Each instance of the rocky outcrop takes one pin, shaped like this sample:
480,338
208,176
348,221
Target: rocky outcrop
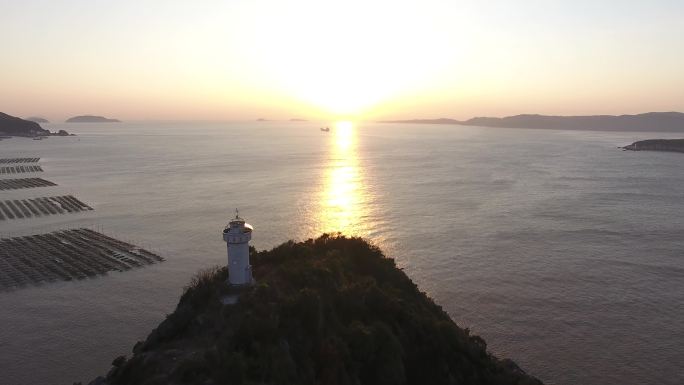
670,145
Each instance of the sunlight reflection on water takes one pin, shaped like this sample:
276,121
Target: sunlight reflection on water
344,196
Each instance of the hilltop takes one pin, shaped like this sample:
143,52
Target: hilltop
14,126
651,121
91,119
331,310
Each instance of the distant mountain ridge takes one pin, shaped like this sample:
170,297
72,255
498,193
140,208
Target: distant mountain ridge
91,119
37,119
651,121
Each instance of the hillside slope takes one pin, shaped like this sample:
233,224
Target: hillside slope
332,310
13,126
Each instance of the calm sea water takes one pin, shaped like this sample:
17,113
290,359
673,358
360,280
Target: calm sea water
563,252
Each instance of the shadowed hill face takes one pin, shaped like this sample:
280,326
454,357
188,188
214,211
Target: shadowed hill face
37,119
332,310
11,125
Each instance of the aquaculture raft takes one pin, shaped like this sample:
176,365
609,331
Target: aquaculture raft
36,207
19,169
66,255
14,184
19,160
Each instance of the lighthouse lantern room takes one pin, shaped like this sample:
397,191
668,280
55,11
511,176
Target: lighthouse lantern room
237,235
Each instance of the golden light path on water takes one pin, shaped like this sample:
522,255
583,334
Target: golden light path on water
344,197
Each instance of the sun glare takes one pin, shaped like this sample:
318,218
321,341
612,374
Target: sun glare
347,67
344,134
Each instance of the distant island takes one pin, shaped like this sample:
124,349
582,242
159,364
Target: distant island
298,120
331,310
426,121
670,145
91,119
262,120
37,119
14,126
651,121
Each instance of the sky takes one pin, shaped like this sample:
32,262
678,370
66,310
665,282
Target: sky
371,59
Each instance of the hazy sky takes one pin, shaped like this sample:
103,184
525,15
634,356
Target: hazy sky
371,59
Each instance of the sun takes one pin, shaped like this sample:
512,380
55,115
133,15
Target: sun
343,85
344,65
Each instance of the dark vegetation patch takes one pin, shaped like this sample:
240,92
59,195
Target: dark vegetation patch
332,310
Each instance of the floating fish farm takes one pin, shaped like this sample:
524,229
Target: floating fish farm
62,255
19,160
14,184
38,207
19,169
66,255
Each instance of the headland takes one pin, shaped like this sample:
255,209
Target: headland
14,126
669,145
331,310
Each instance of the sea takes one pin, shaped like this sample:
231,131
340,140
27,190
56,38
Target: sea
565,253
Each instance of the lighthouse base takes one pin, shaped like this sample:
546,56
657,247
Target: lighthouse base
232,293
240,285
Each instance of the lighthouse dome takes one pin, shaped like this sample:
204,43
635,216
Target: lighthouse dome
238,225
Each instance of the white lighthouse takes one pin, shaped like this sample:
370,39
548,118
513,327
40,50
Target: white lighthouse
238,234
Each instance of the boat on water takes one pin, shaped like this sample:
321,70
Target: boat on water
325,129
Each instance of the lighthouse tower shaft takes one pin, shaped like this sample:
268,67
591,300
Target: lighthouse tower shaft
237,235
